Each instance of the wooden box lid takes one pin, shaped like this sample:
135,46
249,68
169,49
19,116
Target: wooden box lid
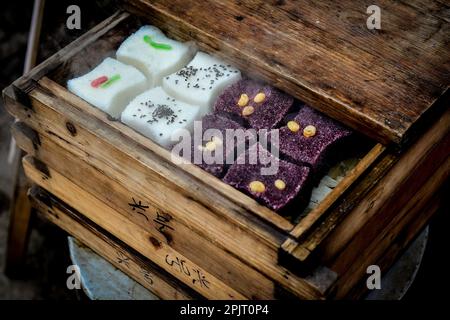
384,83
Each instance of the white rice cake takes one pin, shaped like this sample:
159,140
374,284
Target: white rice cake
155,55
201,81
157,116
110,86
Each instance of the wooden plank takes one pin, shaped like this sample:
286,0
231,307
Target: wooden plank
303,248
412,213
399,245
130,233
26,82
51,119
306,223
376,195
20,210
412,170
110,248
131,202
184,237
261,251
128,169
163,156
361,77
19,226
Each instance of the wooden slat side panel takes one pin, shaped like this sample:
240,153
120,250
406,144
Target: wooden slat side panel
131,202
400,244
369,253
184,235
361,77
116,252
189,175
305,224
130,233
413,169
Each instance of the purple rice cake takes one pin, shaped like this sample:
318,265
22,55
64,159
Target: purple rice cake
311,138
281,191
218,139
261,105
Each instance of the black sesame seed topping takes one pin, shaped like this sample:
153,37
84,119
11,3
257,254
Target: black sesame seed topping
163,112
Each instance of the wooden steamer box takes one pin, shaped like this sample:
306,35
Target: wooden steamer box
122,195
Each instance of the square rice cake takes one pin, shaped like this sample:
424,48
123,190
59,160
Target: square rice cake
110,86
155,55
312,138
201,81
221,140
262,106
287,185
159,116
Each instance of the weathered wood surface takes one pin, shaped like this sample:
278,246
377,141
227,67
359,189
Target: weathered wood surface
19,228
182,231
133,235
377,197
125,158
113,250
356,271
103,147
380,82
131,201
102,42
396,191
88,134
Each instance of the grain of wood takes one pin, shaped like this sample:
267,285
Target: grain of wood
131,201
409,171
376,100
370,253
128,232
231,240
361,77
113,250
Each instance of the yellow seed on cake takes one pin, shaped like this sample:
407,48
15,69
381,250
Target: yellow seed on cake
260,97
293,126
280,184
217,140
309,131
243,100
257,186
248,110
210,146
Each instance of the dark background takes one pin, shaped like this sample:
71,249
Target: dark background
45,275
